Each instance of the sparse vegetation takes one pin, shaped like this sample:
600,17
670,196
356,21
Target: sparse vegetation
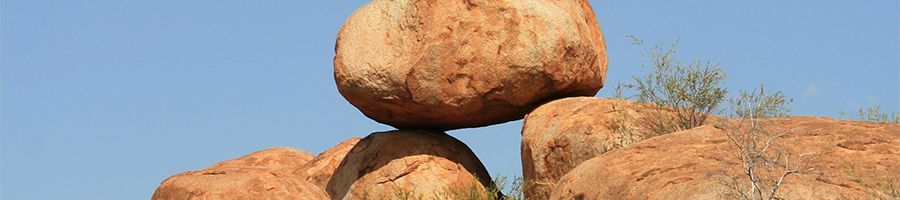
872,114
514,191
765,162
880,184
627,134
685,93
758,104
406,195
689,91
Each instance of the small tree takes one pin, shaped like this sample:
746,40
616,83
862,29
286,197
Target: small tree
689,91
765,162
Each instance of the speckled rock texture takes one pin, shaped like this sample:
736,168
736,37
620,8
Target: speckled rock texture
560,135
319,170
443,65
414,163
851,158
261,175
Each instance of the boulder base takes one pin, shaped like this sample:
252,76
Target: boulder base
417,164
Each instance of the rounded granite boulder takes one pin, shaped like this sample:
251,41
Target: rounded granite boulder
264,174
404,163
443,65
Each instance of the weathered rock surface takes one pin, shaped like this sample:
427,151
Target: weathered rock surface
273,158
260,175
415,163
686,164
441,65
560,135
319,170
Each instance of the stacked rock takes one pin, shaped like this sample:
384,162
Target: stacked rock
442,65
425,67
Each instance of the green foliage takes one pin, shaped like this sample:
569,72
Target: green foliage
758,104
627,135
515,191
619,90
405,195
685,93
688,90
765,162
465,193
873,114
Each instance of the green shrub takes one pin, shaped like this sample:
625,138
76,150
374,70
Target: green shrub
689,91
758,104
516,191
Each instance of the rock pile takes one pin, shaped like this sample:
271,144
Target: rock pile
851,160
575,148
423,67
426,67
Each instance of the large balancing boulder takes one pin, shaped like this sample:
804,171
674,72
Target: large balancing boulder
442,65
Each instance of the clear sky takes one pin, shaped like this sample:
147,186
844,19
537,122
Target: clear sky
104,99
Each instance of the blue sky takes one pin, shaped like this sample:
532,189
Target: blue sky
104,99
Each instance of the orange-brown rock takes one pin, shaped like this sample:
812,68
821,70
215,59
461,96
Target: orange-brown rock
414,163
260,175
319,170
690,164
273,158
560,135
441,65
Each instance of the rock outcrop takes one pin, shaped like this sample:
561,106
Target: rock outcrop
273,158
560,135
442,65
320,169
689,164
417,164
261,175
